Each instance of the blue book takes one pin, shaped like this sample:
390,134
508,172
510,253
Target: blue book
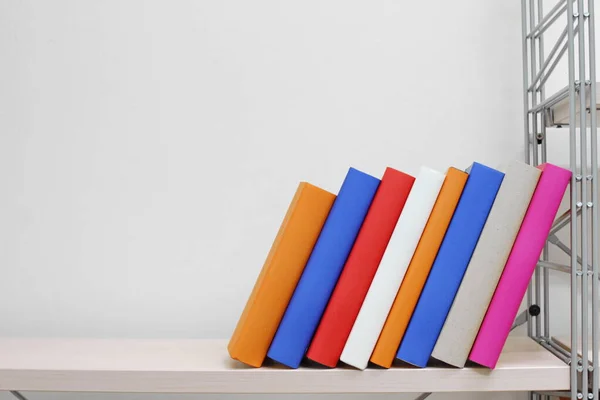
323,269
450,264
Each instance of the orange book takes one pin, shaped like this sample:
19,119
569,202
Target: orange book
280,274
418,269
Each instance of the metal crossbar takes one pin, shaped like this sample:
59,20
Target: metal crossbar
18,395
423,396
557,10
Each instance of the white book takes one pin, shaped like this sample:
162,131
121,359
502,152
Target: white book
391,270
486,264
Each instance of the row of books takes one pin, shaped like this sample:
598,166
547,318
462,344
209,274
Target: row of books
401,267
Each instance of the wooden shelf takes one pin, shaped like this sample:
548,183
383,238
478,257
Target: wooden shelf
203,366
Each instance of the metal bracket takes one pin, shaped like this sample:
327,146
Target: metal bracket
540,137
558,243
563,220
554,266
520,320
18,395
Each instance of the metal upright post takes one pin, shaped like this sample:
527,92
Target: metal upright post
534,50
533,140
584,199
526,128
594,205
525,79
533,66
573,166
545,273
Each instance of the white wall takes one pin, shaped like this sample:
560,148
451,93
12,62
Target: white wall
148,149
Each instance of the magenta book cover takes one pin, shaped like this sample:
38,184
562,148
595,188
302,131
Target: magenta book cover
521,263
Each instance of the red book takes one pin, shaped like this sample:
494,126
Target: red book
362,263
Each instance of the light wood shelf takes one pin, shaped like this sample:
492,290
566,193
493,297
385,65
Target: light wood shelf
203,366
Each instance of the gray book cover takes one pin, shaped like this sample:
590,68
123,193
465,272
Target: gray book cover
486,264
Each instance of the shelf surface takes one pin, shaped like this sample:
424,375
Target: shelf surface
560,110
203,366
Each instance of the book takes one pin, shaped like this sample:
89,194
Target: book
389,275
521,263
280,273
418,269
351,289
486,265
450,264
323,268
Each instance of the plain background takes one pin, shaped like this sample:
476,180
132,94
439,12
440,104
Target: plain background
149,149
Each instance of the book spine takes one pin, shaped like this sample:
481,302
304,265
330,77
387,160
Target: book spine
351,289
280,273
389,275
323,268
418,270
450,264
520,265
486,265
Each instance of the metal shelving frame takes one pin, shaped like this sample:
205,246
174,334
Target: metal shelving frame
578,18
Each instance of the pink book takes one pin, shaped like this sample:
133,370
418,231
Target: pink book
521,263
